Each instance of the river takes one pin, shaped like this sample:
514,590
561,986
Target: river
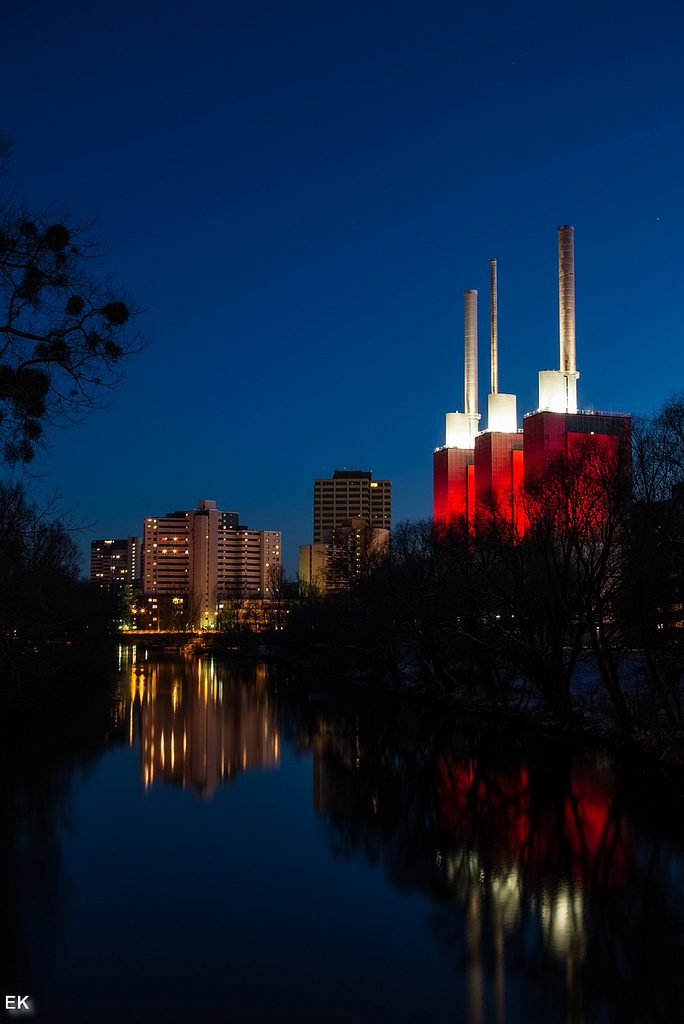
223,845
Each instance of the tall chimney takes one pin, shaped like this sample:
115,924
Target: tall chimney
493,329
566,297
470,302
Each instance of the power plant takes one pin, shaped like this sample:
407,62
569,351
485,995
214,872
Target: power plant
475,472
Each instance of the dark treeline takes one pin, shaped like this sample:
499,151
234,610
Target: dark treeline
52,623
66,331
592,590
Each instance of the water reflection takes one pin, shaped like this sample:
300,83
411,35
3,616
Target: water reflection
41,751
198,722
554,877
548,863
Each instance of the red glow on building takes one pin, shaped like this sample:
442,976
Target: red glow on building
454,485
545,433
499,479
576,465
565,469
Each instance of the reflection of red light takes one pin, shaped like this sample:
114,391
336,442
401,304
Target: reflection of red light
492,810
497,804
589,829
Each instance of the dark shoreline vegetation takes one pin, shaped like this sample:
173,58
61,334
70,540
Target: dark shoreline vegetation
578,624
576,627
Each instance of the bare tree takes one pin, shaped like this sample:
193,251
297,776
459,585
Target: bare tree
64,332
276,582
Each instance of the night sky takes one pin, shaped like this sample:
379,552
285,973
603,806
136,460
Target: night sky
301,190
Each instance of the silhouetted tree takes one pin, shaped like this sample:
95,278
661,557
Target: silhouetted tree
651,609
64,332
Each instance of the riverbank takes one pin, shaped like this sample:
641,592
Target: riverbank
320,668
653,738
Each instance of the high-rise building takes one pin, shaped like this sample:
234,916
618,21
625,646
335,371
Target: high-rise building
248,562
352,522
354,550
351,494
166,554
115,561
205,554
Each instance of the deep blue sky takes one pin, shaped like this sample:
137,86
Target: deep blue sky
300,191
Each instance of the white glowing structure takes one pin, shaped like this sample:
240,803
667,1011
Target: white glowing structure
461,427
558,388
502,411
557,391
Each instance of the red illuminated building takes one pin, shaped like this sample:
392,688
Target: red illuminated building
454,484
479,476
453,464
546,433
499,476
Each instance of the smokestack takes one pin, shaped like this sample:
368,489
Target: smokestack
503,417
470,302
493,329
566,298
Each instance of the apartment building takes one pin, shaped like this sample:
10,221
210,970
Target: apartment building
206,554
115,561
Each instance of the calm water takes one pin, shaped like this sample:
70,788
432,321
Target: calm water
217,848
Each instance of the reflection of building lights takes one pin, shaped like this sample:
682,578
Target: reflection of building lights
210,754
562,917
462,866
506,896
